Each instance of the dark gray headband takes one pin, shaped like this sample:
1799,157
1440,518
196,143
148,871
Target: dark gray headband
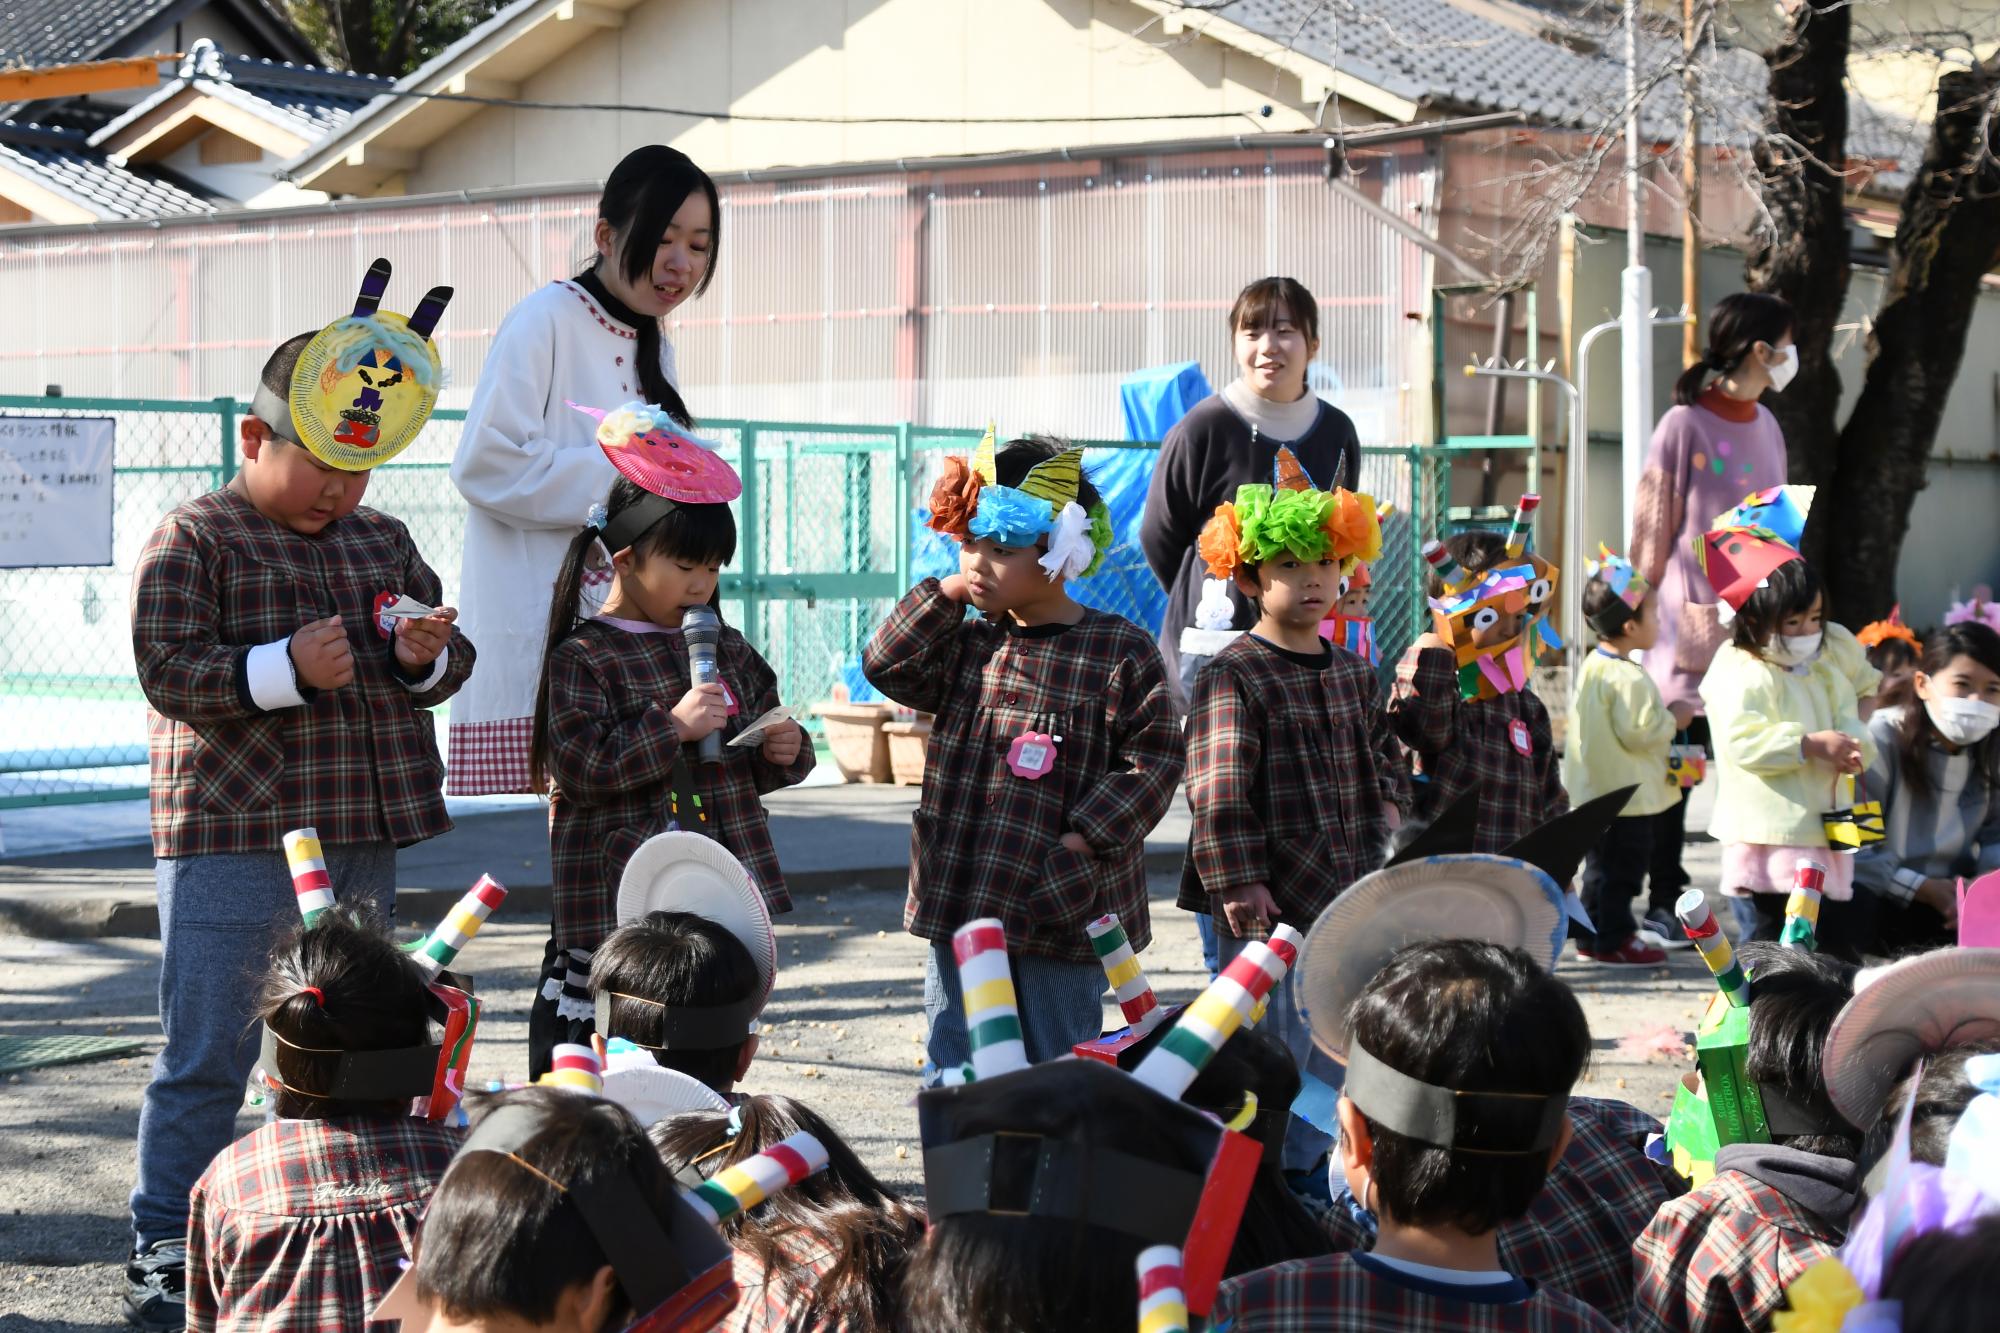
1027,1175
688,1027
363,1076
1430,1114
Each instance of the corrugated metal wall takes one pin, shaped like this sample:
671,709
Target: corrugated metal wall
1022,293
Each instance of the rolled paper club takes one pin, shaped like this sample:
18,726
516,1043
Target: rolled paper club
439,949
1802,908
310,881
1128,980
1211,1020
735,1189
992,1014
1162,1302
1524,519
1449,571
575,1066
1286,943
1713,945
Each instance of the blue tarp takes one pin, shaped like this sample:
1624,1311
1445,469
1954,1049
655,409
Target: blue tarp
1156,399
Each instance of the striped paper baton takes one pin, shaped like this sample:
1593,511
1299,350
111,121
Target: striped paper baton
309,878
992,1015
1162,1302
1211,1020
437,950
1706,932
1449,571
1128,980
1286,943
739,1188
1524,519
1802,908
576,1067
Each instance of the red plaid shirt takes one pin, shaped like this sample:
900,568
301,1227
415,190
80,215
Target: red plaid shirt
985,842
1349,1293
1503,746
1577,1235
299,1226
360,764
1289,767
1721,1257
769,1302
612,748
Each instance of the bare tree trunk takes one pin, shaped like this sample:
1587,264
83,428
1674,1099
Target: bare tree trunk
1947,238
1803,254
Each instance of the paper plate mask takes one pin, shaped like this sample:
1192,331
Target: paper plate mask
642,442
1291,516
968,502
1521,584
1743,546
366,383
652,1092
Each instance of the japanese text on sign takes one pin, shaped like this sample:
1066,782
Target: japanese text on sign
55,491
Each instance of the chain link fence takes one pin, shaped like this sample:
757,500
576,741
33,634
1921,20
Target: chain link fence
831,533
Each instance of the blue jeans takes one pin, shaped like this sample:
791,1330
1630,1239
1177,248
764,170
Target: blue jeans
219,917
1211,952
1304,1143
1061,1004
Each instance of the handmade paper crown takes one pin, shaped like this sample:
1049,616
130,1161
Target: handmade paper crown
366,383
969,502
1627,584
1520,583
431,1074
1744,545
1879,632
1979,607
1294,516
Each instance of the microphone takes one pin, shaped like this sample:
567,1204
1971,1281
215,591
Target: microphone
701,627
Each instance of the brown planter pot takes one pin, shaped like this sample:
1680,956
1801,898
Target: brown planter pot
854,735
907,743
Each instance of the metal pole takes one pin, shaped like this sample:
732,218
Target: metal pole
1637,281
1691,177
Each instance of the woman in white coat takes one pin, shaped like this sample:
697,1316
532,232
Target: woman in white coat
529,465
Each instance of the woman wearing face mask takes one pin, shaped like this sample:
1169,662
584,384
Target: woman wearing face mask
1713,447
529,465
1937,774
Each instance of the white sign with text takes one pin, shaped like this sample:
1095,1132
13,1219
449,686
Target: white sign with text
55,491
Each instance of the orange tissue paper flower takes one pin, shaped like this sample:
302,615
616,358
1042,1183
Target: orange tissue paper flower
1352,528
954,498
1222,542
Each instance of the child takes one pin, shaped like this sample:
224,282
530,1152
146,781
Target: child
1054,751
1721,1256
1619,731
301,1224
619,720
828,1253
1461,1055
1293,780
1350,626
685,990
1785,729
1462,702
279,697
1893,649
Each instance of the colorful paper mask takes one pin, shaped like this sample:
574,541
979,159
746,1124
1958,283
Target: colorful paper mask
969,503
366,383
1291,516
642,442
1744,545
1522,584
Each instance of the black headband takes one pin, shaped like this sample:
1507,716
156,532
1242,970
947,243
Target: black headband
688,1027
1430,1114
629,524
362,1076
1026,1175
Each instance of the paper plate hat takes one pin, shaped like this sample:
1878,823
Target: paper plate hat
674,1267
649,1090
969,502
693,873
432,1073
1878,632
1744,545
1295,516
366,383
1520,583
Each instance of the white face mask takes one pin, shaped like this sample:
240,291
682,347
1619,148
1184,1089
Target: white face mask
1962,721
1786,370
1790,650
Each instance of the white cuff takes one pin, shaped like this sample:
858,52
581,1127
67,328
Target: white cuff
1909,880
273,684
428,682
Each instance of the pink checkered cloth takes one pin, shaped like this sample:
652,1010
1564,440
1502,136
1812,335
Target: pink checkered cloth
1759,867
488,758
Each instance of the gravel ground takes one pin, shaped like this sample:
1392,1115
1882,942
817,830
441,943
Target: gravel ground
843,1033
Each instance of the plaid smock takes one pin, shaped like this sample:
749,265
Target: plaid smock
1357,1293
1577,1236
778,1302
298,1227
612,748
216,580
1289,766
1504,746
984,842
1721,1257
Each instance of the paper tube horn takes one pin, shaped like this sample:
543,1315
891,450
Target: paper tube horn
437,950
1128,980
1162,1302
310,881
576,1067
1215,1016
1802,908
736,1189
992,1014
1524,520
1449,571
1713,945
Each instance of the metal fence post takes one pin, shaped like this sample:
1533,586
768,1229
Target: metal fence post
225,411
901,508
753,537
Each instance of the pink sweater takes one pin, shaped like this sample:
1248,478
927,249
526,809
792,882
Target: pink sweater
1702,462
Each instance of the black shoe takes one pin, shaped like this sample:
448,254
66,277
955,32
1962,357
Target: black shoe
1665,929
156,1286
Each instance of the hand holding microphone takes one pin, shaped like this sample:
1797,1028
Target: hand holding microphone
701,627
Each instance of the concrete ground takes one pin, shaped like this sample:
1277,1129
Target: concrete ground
843,1033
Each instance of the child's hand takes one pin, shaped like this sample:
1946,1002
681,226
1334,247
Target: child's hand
418,642
1683,713
1075,843
1392,818
782,743
1941,896
1248,908
701,711
953,586
321,654
1833,747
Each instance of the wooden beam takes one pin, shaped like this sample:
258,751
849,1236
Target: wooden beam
95,76
471,85
593,16
378,158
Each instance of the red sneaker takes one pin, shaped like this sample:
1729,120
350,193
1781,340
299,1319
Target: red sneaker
1634,952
